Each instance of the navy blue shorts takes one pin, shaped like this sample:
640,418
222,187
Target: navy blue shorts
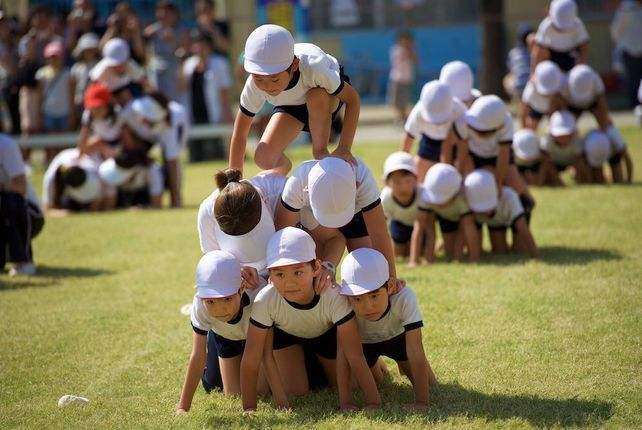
566,60
446,225
356,228
394,348
324,346
399,232
227,348
561,167
480,162
535,114
533,168
577,111
429,148
616,158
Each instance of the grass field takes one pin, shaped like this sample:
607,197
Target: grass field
514,343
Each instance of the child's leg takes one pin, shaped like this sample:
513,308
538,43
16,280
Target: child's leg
450,240
231,374
402,249
330,369
290,361
515,181
498,240
423,165
359,242
279,133
404,369
616,172
320,106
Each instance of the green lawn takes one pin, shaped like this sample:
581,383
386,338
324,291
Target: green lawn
514,343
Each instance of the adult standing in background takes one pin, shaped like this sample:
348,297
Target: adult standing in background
218,30
124,24
626,31
403,60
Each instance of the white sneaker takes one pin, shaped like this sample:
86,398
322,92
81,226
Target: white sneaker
24,269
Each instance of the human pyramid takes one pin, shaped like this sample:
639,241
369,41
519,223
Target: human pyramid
269,315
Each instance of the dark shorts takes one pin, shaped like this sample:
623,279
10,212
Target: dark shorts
561,167
533,168
394,348
127,199
429,149
616,158
400,233
447,226
20,222
324,346
480,162
565,60
577,111
356,228
227,348
535,114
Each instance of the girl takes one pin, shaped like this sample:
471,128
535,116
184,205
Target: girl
307,88
528,156
442,200
561,149
541,95
388,325
459,78
499,213
438,119
298,316
222,307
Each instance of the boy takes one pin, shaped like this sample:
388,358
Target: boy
442,200
388,325
499,213
597,151
297,316
528,156
459,78
307,88
561,149
400,198
541,95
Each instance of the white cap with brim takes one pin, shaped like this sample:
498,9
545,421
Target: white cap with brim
442,183
481,191
88,191
436,101
332,187
86,41
112,174
399,160
581,84
548,78
563,13
218,274
249,248
269,49
290,246
526,145
363,270
486,113
597,148
115,52
148,108
562,123
459,78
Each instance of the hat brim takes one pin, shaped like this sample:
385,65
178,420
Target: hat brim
433,198
545,91
77,52
347,289
484,206
473,121
206,292
399,166
561,131
111,62
281,262
334,220
264,69
434,119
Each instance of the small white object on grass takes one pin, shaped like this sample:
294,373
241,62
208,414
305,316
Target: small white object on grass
68,399
186,309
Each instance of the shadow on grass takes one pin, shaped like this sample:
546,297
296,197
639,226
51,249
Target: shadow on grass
49,275
555,255
448,401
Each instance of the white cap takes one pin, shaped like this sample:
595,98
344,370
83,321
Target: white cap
290,246
597,147
332,187
148,108
86,41
581,83
441,184
112,174
563,13
481,190
115,52
562,123
269,49
88,191
363,270
218,274
548,78
526,145
486,113
459,78
399,160
436,102
248,247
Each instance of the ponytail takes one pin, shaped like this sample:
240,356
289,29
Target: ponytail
238,206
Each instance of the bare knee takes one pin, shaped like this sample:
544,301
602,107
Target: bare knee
262,156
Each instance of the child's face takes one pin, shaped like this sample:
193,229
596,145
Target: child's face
564,140
370,306
99,112
402,183
277,83
55,61
224,308
295,282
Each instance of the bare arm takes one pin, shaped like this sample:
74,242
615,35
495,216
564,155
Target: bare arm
629,166
346,402
418,366
526,241
285,217
538,54
473,240
417,238
376,224
194,371
601,113
242,125
18,185
501,169
350,97
272,374
583,57
250,364
174,183
406,142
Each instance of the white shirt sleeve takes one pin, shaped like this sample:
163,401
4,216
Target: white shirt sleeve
542,29
252,99
581,34
270,187
387,203
338,307
205,222
324,76
293,193
410,313
367,189
413,122
514,204
261,307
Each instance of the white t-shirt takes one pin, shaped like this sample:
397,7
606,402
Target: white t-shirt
395,211
108,129
236,329
509,208
489,147
67,157
216,76
304,321
102,73
552,38
174,138
585,101
561,155
296,196
12,165
402,68
269,187
150,177
402,314
317,69
416,125
535,100
453,212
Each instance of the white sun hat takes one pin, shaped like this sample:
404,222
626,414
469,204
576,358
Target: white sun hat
459,78
289,246
115,52
88,191
112,174
332,186
269,49
442,183
486,113
481,190
548,78
582,81
562,123
563,13
526,145
86,41
399,160
436,101
597,148
218,274
363,270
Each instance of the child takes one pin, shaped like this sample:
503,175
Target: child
519,62
442,199
528,156
307,88
87,55
541,95
388,325
298,316
117,71
403,60
499,213
561,37
332,200
438,119
561,149
223,307
54,84
597,151
400,198
459,78
102,124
